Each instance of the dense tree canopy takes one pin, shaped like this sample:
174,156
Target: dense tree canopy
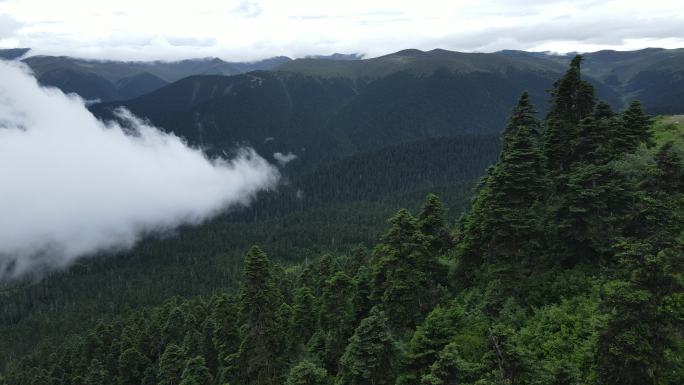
567,269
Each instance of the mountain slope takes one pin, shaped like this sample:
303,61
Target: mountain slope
652,75
330,209
325,109
132,79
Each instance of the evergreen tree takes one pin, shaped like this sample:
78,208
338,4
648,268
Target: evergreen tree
174,329
599,136
523,115
307,373
303,319
259,358
403,279
637,127
369,359
433,225
132,365
196,372
451,368
336,318
646,300
171,365
96,373
504,223
226,337
572,101
438,329
362,292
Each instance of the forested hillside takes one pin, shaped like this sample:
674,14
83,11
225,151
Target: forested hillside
118,80
652,75
331,209
320,115
566,269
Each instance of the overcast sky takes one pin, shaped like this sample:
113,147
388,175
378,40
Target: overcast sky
253,29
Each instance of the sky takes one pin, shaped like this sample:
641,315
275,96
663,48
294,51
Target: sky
255,29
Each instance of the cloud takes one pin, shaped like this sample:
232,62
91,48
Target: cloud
73,186
123,30
248,9
284,159
8,25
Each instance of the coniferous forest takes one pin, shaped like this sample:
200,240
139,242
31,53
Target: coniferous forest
565,269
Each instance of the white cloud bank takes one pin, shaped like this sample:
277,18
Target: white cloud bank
71,185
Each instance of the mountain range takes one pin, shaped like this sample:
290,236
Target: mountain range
369,136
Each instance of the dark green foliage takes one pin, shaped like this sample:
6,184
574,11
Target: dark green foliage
132,365
432,223
304,317
523,115
573,100
558,275
504,224
637,127
171,365
260,355
307,373
196,372
438,329
371,353
336,318
405,275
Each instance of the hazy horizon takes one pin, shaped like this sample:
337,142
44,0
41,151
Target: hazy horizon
249,30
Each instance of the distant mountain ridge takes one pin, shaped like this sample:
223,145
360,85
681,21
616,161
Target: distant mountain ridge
321,109
653,75
108,80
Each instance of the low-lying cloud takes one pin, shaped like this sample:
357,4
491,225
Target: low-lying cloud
284,159
71,185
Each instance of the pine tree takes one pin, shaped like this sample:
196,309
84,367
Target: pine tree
362,292
572,101
175,328
226,337
307,373
96,373
403,278
430,337
433,225
171,365
369,359
637,127
132,365
304,318
503,224
336,318
451,368
523,115
599,136
645,301
196,372
259,357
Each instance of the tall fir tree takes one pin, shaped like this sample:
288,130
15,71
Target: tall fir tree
572,101
523,115
637,127
171,365
196,372
307,373
433,225
260,355
370,357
